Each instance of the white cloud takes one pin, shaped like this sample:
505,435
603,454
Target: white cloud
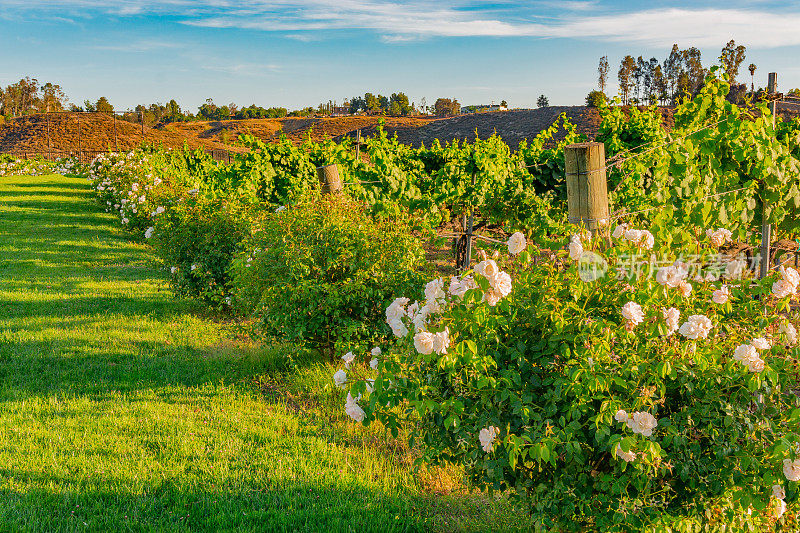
407,20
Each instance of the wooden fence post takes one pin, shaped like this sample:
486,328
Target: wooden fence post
358,145
766,227
329,179
587,190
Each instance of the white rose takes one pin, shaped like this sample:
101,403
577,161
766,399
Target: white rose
756,365
789,332
376,351
642,422
353,410
790,275
487,268
619,231
646,240
760,343
492,297
791,469
672,317
398,328
373,363
486,437
575,250
149,232
516,243
348,358
781,288
625,456
173,270
396,310
719,237
434,290
633,235
779,492
632,312
721,295
697,327
441,341
621,416
501,283
780,508
340,378
685,288
744,353
423,342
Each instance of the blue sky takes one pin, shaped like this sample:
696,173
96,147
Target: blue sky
295,54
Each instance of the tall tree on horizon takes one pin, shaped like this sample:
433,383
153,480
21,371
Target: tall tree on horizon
732,57
602,74
752,69
625,76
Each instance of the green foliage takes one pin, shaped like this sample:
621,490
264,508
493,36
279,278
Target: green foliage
320,272
197,239
551,365
596,98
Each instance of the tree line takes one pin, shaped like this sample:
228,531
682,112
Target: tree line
681,74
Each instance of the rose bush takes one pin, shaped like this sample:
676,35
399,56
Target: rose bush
626,403
321,271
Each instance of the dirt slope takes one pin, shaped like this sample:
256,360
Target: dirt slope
96,131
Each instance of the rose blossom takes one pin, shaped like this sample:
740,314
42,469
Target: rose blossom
642,422
441,341
756,365
348,358
340,378
760,343
779,492
685,288
788,330
575,249
782,289
621,416
516,243
487,268
719,237
398,328
619,231
721,295
791,469
744,353
697,327
625,456
672,316
501,283
632,312
423,342
486,436
353,410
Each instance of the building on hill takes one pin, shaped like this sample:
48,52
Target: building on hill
482,108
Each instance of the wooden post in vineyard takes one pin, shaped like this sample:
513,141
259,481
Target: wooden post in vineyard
358,144
766,227
329,179
587,191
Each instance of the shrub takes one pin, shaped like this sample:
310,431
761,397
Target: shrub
591,401
596,99
197,239
320,272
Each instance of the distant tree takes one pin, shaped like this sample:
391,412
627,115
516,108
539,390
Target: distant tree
695,73
357,105
503,103
423,105
89,106
398,104
659,84
103,105
542,101
673,66
752,69
602,74
52,99
595,99
445,106
732,57
625,76
383,102
371,102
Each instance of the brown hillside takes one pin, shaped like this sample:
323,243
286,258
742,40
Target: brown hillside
69,132
29,134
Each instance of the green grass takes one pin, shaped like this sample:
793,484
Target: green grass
122,408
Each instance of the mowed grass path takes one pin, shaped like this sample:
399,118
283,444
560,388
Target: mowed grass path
122,408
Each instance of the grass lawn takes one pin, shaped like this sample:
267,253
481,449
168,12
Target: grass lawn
122,408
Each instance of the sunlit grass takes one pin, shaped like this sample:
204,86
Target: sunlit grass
122,408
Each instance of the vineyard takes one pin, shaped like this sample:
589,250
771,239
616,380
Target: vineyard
641,376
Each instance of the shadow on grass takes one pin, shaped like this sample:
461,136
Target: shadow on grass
269,506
